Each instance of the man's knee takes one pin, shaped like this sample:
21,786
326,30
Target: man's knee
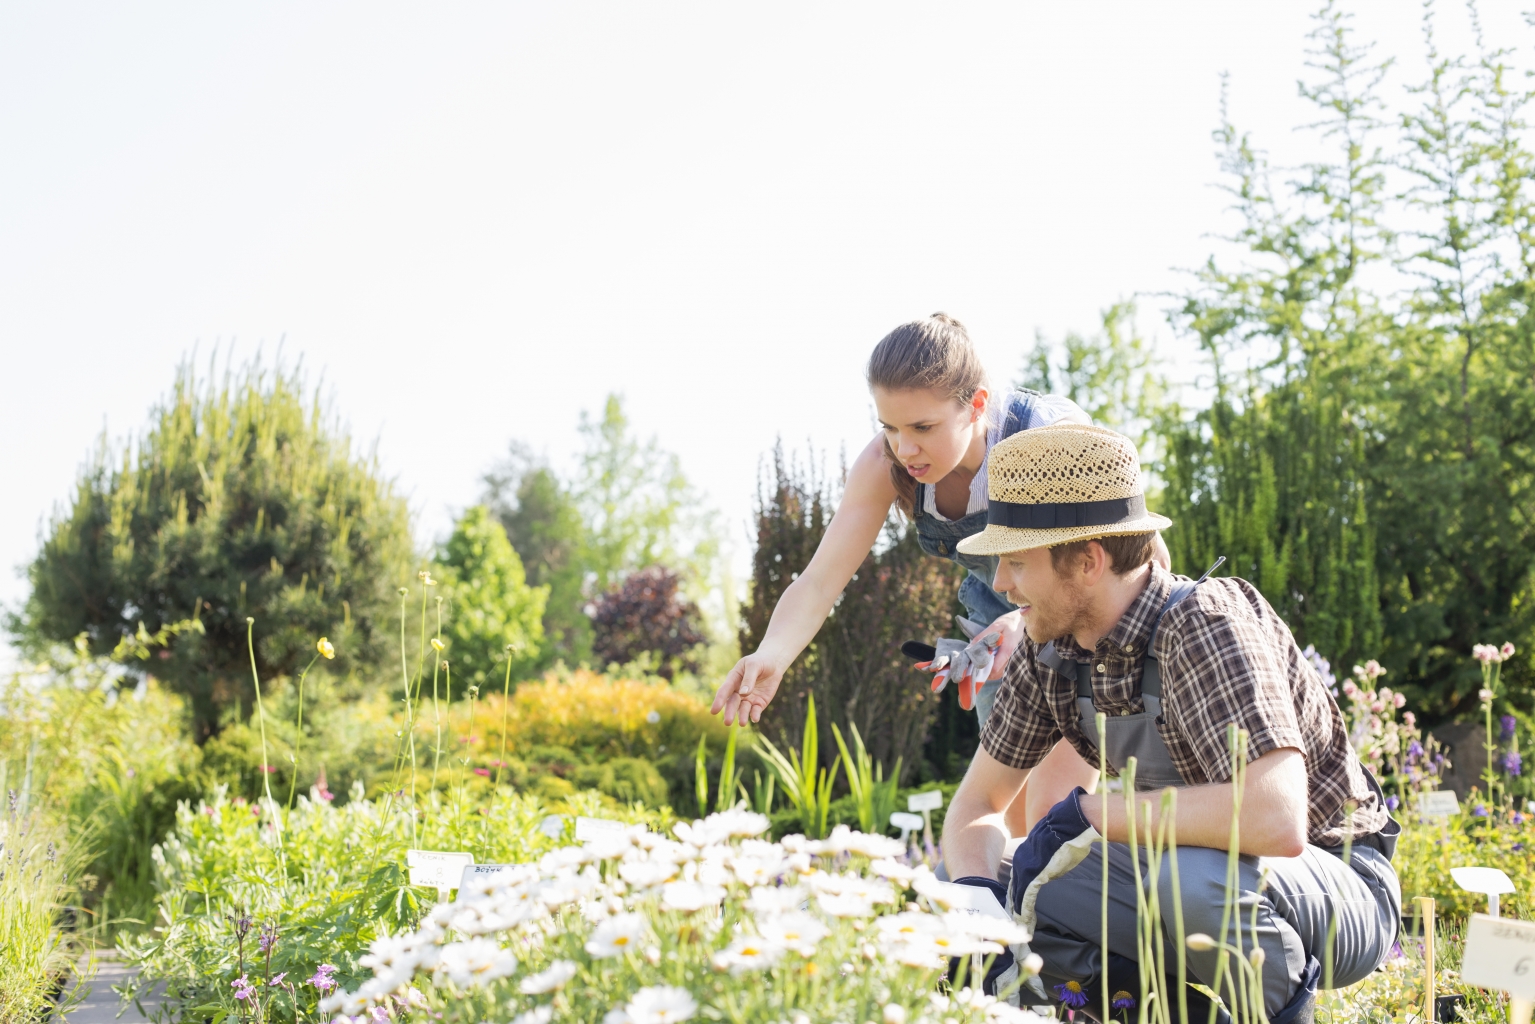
1200,890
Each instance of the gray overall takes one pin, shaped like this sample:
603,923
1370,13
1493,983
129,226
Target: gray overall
941,538
1299,898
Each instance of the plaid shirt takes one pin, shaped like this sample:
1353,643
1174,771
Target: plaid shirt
1225,657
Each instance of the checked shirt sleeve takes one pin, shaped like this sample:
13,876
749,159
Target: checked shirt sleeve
1223,664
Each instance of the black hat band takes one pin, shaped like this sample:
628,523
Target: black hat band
1056,515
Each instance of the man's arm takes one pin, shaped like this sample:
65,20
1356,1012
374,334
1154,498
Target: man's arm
1274,806
974,831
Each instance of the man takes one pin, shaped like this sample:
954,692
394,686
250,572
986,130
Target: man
1068,518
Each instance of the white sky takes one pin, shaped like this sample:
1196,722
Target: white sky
476,219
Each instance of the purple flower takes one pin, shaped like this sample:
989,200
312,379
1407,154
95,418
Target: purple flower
277,979
1517,818
244,989
1414,750
268,938
1513,763
1070,993
1122,1001
1508,726
1392,803
1480,811
323,979
1517,846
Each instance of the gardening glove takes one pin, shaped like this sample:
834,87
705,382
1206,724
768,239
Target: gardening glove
968,662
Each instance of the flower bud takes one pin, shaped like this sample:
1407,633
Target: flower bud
894,1014
1199,942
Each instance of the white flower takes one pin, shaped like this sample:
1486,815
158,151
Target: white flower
690,896
797,932
653,717
747,953
616,935
907,924
757,870
845,905
661,1004
845,840
475,962
799,844
894,1013
537,1015
893,870
769,899
739,823
552,977
646,874
616,1016
920,951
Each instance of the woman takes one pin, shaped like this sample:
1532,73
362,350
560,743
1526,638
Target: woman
938,421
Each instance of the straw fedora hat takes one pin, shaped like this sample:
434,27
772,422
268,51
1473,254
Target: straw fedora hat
1058,484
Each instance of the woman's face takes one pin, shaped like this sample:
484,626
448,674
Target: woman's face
930,433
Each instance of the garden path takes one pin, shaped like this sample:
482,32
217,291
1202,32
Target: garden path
100,1006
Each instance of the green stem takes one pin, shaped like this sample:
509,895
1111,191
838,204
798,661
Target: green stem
298,740
250,644
506,700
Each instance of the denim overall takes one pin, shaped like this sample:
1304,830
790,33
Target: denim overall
941,538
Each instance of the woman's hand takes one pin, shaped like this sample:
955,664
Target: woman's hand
1011,627
747,689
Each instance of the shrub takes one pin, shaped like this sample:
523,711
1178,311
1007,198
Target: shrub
488,603
854,665
35,956
645,615
243,499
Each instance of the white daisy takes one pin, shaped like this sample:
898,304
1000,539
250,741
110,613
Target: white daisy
616,936
475,962
537,1015
747,953
690,896
552,977
798,932
769,899
661,1004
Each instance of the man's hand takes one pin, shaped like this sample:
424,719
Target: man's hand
1011,627
747,689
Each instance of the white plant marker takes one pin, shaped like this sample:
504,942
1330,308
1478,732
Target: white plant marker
437,869
926,803
1438,803
905,821
1489,881
1500,954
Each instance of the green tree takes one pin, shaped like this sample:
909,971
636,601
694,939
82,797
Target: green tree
243,498
1272,473
487,602
545,529
1112,375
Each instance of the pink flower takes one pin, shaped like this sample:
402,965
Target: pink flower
1349,688
482,771
1400,700
1485,653
1507,651
1409,718
1485,696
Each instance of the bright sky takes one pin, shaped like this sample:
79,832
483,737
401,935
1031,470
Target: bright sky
476,219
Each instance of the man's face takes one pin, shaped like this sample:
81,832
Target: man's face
1052,605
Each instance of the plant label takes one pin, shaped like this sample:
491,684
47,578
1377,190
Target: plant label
591,828
478,880
971,899
1438,803
905,822
1500,954
436,870
920,802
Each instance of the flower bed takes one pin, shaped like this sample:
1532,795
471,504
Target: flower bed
638,928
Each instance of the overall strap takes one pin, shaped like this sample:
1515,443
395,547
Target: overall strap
1151,674
1020,410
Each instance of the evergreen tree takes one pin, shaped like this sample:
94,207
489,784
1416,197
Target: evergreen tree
244,498
488,604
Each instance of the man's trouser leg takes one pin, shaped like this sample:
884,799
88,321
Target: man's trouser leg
1301,895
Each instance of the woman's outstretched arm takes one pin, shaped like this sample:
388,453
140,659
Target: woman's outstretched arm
805,604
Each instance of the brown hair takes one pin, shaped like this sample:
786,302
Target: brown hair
933,354
1126,552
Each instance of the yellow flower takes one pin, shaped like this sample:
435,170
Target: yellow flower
326,648
438,645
